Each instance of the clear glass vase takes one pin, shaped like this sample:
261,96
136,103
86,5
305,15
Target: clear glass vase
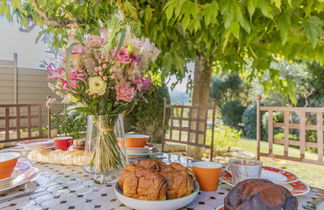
105,147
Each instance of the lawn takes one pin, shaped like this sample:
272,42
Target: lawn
311,174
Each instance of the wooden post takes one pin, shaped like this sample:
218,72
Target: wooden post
320,135
15,83
258,124
163,125
213,128
302,135
270,132
49,119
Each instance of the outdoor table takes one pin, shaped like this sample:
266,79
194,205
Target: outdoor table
68,187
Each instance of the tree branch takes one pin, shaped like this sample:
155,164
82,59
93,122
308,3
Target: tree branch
51,22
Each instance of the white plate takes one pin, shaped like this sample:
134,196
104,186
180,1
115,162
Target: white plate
220,208
20,168
30,145
155,205
21,179
297,188
276,175
138,151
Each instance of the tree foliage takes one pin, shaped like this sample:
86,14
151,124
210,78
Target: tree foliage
229,33
232,113
227,88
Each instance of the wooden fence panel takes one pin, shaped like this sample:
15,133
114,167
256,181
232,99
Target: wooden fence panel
24,86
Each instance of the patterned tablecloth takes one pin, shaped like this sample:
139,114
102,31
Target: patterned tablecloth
68,187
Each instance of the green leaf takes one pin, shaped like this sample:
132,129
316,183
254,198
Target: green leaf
185,21
228,10
277,3
85,110
251,5
284,22
312,27
265,8
210,12
235,29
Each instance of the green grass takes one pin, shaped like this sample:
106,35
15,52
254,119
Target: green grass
309,173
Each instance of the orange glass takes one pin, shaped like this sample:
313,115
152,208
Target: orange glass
207,174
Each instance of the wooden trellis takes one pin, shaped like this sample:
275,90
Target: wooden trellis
302,126
13,122
194,132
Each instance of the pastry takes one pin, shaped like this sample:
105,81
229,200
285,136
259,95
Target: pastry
75,157
259,194
155,180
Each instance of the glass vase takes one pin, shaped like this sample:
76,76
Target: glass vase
105,147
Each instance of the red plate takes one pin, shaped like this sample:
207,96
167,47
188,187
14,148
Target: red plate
297,188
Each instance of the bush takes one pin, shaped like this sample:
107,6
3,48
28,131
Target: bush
282,136
70,124
249,121
147,116
232,113
224,136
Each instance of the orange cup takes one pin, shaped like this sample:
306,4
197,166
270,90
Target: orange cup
8,161
207,174
135,140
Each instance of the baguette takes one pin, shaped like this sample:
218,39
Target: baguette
72,158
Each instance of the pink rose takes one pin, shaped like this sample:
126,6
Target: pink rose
78,49
94,41
104,66
125,92
123,56
105,78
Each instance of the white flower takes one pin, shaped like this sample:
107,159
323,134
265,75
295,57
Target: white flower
149,51
97,86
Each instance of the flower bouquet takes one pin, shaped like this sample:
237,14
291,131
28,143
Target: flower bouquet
104,77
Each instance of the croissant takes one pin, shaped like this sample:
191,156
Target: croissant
179,183
155,180
76,157
141,183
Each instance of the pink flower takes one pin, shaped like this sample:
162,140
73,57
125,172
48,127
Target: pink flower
113,76
125,92
146,83
105,78
94,41
123,55
56,72
104,66
99,61
78,49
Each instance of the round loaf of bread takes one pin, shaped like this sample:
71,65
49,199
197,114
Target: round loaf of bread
259,194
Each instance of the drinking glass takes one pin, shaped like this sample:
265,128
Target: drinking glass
242,169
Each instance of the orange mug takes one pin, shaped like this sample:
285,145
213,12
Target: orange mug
135,140
207,174
8,161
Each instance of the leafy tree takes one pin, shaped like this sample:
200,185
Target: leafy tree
228,88
232,113
225,34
